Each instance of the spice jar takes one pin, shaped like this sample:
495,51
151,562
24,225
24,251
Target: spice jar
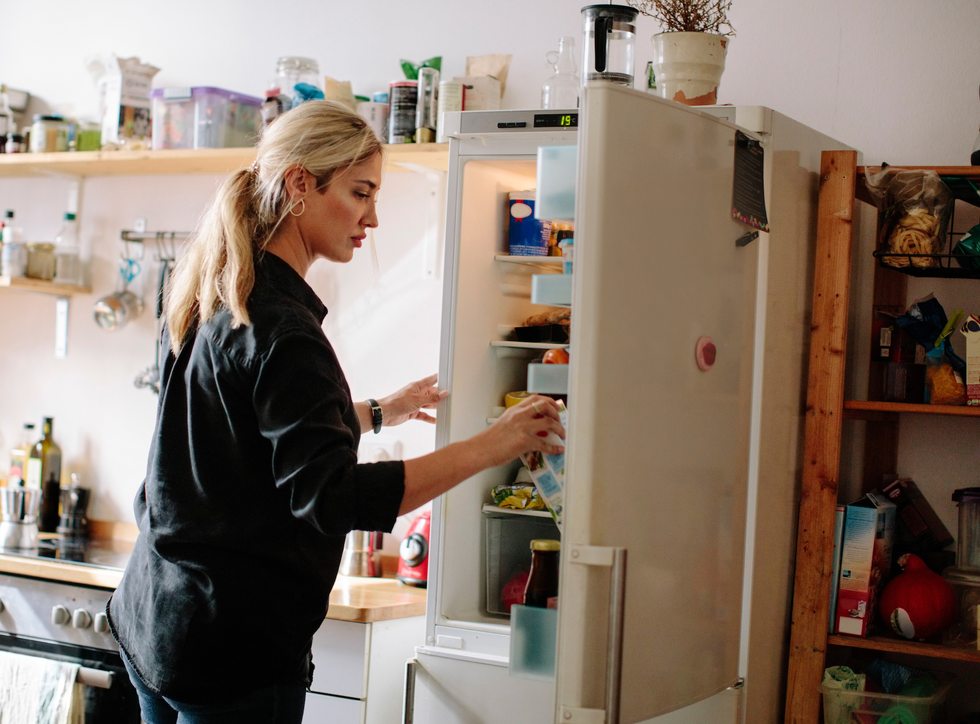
49,133
542,583
40,261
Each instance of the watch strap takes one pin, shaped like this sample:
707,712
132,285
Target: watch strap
376,415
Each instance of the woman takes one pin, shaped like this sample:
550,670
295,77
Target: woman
252,480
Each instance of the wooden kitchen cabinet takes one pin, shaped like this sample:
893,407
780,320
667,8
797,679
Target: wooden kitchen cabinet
359,670
840,185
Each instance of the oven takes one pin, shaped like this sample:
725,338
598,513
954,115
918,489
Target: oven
66,622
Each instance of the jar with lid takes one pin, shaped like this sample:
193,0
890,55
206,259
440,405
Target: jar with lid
48,134
40,261
542,583
291,70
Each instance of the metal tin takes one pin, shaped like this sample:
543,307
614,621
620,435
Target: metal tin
48,134
402,102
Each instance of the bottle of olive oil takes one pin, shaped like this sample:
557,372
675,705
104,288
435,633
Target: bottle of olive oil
44,472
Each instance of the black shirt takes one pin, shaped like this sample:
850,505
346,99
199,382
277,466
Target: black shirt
252,484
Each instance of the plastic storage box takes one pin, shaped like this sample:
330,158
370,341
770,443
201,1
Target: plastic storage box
508,549
844,707
204,118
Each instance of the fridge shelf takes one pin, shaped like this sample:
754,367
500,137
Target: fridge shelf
507,348
540,261
493,510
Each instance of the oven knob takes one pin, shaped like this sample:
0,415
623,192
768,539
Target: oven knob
59,615
101,623
80,618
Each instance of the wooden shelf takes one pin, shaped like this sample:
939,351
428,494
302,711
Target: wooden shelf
405,157
37,285
901,646
859,406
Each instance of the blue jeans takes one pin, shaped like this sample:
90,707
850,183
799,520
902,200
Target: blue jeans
273,704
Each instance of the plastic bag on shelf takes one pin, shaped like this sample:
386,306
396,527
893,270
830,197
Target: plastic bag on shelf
915,207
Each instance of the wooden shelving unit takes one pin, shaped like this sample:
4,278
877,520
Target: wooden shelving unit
37,285
841,182
405,157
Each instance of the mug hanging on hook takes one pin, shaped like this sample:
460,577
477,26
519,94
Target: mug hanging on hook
113,311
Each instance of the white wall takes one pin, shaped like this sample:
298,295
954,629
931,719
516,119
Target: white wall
897,79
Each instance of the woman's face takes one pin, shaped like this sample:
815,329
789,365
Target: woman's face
336,219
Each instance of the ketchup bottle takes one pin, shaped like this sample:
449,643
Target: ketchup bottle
542,584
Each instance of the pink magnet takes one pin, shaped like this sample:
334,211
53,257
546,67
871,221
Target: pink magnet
705,353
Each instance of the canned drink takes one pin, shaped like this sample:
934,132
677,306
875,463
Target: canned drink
402,101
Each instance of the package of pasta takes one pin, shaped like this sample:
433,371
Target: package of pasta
944,384
914,207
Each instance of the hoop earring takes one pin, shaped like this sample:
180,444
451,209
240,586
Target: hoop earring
302,201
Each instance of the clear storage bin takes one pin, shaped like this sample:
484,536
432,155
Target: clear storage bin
869,707
508,549
204,117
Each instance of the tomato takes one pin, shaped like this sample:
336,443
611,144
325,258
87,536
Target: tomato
556,356
513,591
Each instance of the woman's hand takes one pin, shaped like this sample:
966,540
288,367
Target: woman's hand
522,429
410,401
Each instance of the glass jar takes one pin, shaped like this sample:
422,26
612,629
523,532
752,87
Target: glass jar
291,70
968,532
48,134
40,261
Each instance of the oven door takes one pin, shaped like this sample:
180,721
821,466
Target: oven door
58,621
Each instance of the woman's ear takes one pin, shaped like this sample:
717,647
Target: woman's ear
299,182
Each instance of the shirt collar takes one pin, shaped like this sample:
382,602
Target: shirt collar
285,278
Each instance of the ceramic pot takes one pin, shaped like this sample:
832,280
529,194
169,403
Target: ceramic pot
688,66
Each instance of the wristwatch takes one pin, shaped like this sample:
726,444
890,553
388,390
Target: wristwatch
376,416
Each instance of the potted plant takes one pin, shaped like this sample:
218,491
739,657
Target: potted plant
689,56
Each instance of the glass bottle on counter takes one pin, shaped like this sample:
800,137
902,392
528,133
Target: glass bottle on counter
67,264
561,90
19,456
542,583
44,472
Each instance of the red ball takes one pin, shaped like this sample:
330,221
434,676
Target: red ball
917,603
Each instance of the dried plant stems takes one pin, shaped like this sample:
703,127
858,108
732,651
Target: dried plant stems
693,16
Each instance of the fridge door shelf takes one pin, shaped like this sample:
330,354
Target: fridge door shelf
552,289
506,348
533,639
547,379
537,261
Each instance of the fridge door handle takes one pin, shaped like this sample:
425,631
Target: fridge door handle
614,558
408,712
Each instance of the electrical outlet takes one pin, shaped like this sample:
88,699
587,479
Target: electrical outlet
139,226
376,451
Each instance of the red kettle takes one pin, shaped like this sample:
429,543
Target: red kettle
413,553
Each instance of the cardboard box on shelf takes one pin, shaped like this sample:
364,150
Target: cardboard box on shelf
970,328
124,87
481,93
919,528
866,559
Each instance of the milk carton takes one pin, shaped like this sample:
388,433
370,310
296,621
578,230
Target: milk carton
971,330
865,562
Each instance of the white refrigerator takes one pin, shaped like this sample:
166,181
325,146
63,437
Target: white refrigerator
681,483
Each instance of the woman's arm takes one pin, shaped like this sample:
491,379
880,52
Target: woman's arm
521,429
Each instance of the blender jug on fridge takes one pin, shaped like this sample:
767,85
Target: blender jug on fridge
608,38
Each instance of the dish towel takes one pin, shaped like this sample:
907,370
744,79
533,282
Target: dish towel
39,690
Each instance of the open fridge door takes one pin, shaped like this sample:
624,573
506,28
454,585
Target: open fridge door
658,437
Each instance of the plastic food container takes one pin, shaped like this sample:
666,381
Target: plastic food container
843,707
968,534
204,117
966,587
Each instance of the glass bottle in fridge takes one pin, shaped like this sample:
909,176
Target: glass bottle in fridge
67,264
542,583
44,472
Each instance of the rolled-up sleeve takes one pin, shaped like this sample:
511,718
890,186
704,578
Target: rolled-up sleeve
303,407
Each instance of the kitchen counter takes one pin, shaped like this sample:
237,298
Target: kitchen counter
359,600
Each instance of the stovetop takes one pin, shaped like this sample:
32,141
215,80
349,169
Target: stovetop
92,552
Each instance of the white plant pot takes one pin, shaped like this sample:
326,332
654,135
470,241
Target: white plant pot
688,66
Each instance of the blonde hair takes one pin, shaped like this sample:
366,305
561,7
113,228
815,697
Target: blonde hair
218,268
